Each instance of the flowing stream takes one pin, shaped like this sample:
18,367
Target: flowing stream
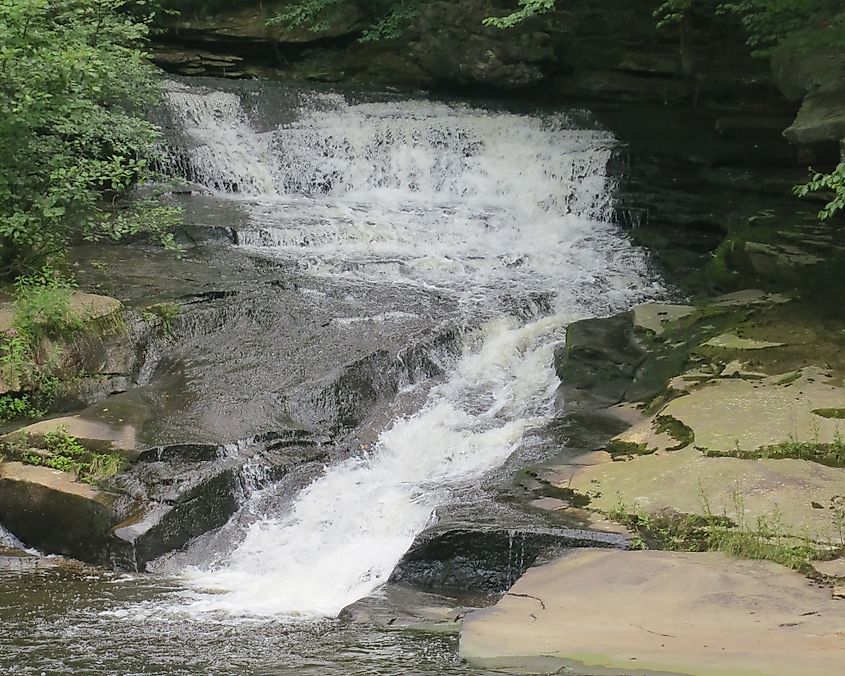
508,214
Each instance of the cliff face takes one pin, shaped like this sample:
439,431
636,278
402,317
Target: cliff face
816,78
612,51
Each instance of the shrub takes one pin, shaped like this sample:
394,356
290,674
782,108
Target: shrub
73,80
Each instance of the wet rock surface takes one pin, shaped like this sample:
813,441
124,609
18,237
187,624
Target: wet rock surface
233,381
474,557
257,347
402,608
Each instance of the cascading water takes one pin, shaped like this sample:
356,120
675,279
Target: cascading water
493,208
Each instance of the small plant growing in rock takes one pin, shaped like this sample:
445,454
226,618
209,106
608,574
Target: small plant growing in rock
15,407
674,531
832,184
162,315
61,442
42,307
60,450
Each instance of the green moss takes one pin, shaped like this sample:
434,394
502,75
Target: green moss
548,489
830,454
618,447
837,413
789,378
683,434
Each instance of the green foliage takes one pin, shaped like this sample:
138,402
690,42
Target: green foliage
764,539
833,184
768,23
58,449
14,359
61,442
73,75
202,7
527,9
673,12
42,310
390,23
42,307
388,18
15,407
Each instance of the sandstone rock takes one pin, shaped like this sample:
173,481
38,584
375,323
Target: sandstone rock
110,437
833,568
750,414
818,77
655,316
249,25
613,612
686,481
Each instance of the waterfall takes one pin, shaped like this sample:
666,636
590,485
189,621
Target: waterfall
483,205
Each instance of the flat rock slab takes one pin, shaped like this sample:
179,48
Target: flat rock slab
114,436
748,297
751,414
730,341
655,316
732,413
615,612
743,490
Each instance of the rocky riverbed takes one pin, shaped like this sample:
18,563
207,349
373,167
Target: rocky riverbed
283,363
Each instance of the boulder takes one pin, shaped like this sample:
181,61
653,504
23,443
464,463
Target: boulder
98,348
473,557
821,118
598,361
48,509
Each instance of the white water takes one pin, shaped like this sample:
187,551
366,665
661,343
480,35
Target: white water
477,204
9,540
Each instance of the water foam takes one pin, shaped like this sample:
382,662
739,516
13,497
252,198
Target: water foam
409,191
484,205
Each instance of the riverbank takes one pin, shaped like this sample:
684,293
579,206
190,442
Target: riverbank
733,410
